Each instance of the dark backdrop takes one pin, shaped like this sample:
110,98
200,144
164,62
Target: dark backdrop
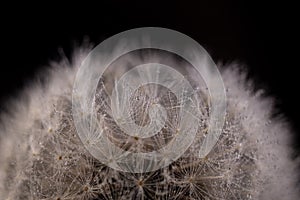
261,36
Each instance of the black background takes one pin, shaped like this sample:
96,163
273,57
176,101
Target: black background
260,36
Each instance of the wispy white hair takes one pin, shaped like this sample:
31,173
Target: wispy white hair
41,156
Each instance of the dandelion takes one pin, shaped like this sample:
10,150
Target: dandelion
42,156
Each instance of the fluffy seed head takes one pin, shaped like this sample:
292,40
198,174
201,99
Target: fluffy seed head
42,156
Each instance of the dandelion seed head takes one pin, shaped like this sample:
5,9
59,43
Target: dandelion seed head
42,156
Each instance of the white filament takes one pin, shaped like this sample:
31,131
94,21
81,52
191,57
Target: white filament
98,61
